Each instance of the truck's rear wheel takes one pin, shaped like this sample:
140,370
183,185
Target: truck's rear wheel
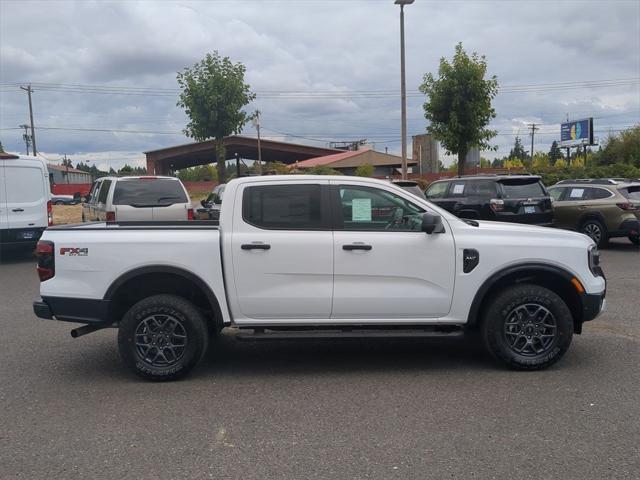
162,337
527,327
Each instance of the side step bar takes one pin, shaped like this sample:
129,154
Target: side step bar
262,334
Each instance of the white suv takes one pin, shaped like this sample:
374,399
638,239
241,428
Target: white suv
148,198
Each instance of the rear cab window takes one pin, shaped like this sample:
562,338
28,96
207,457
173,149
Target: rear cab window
151,192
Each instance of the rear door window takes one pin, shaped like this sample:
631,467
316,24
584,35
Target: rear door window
482,188
283,207
598,193
152,192
522,189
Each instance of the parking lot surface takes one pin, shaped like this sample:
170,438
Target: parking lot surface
356,409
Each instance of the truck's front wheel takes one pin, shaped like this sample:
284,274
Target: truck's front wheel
162,337
528,327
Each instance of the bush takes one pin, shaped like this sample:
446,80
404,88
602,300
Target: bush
365,170
562,172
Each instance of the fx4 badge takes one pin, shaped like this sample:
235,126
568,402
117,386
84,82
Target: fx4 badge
74,251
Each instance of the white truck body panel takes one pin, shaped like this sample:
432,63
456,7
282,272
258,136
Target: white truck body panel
306,278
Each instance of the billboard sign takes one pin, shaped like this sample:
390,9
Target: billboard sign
578,132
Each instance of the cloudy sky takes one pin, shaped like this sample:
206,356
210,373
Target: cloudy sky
104,72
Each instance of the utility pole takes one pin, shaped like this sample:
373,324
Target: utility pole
257,120
533,132
25,136
403,87
65,162
28,89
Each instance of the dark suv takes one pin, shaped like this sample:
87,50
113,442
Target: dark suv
504,198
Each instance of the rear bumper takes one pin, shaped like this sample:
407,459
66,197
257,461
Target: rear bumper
79,310
538,219
629,228
15,237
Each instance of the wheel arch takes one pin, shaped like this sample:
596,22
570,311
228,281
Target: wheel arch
554,278
139,283
591,216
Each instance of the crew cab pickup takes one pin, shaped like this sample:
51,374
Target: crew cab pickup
322,257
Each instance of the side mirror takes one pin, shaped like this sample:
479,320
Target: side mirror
203,203
432,223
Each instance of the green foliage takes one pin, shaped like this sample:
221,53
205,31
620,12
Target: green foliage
623,148
540,160
365,170
459,104
485,162
497,163
213,96
554,153
275,168
518,151
321,170
201,173
561,171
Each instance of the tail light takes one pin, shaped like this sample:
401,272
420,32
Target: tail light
49,213
46,260
626,206
111,216
190,214
496,204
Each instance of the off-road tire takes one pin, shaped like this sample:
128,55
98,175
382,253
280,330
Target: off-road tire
165,323
596,230
505,308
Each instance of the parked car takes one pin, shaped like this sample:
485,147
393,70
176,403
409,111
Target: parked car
211,205
410,186
65,199
144,198
311,257
600,208
504,198
25,204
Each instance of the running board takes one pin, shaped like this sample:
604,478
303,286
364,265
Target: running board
260,334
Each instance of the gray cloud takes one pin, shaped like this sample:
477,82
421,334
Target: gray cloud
307,46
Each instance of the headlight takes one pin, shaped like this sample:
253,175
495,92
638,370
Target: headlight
594,261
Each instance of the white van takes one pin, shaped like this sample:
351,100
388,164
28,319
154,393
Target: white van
146,198
25,200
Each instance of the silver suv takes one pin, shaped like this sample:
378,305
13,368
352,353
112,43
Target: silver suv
148,198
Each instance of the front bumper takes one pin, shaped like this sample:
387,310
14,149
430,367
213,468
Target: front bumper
593,305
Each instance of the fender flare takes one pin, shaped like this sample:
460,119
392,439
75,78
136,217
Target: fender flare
122,279
528,267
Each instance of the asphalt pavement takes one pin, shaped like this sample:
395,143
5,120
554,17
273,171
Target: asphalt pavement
332,410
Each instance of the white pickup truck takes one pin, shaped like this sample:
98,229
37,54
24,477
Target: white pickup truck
320,256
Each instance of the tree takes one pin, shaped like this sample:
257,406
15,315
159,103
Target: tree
126,170
213,96
459,104
485,162
365,170
555,153
518,151
622,148
540,160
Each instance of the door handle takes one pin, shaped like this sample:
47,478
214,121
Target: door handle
17,210
357,246
255,246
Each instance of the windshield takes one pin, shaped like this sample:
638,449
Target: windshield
149,192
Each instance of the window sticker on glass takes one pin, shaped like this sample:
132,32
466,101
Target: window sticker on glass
361,210
576,192
458,189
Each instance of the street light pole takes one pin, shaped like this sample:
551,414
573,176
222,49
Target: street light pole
403,87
